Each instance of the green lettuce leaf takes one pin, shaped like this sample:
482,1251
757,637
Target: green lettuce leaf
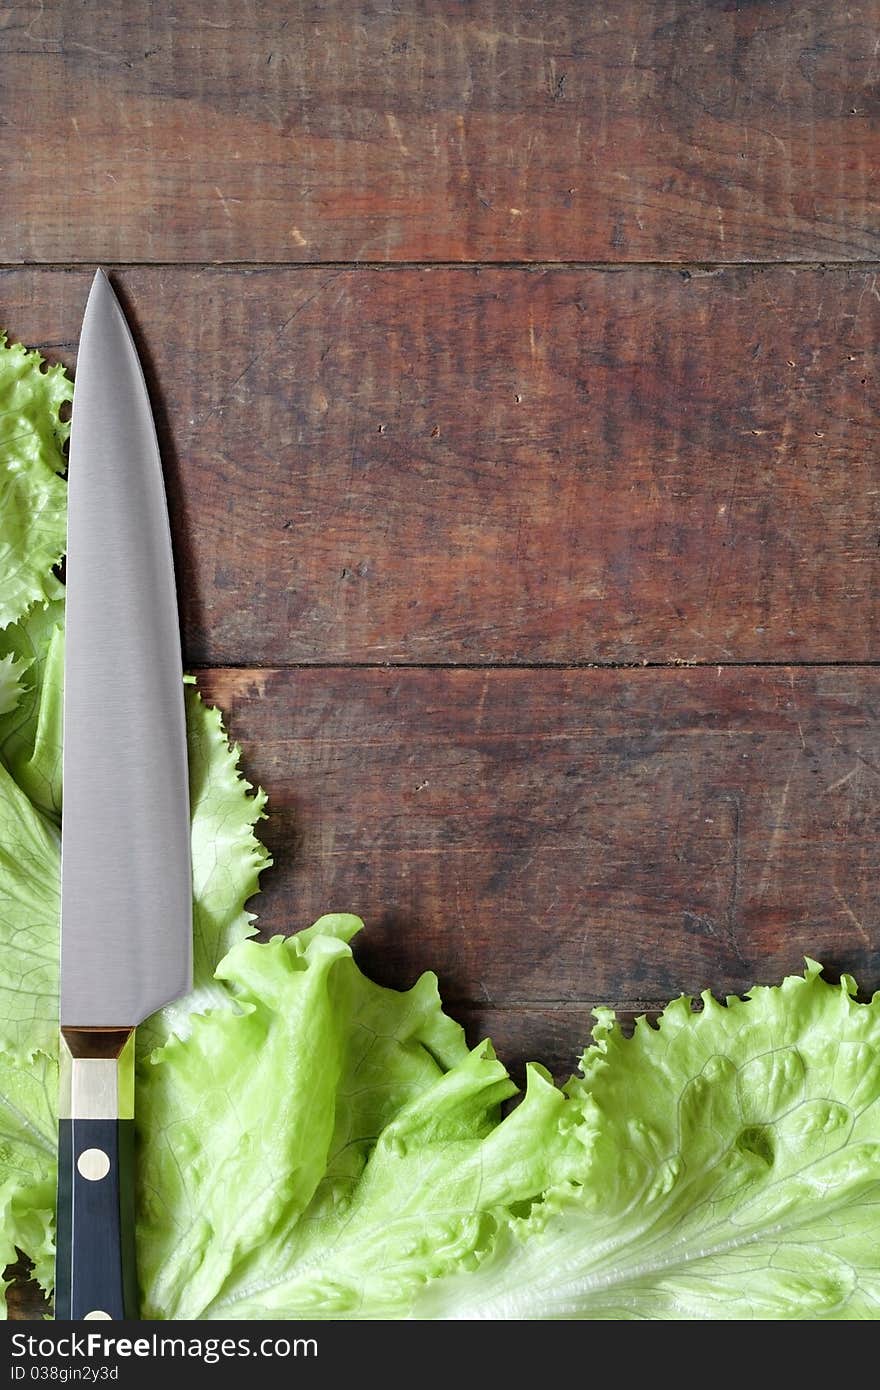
28,1151
32,494
30,730
11,690
30,862
385,1162
732,1172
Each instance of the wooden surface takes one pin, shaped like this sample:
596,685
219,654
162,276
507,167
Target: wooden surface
499,465
539,586
292,130
546,838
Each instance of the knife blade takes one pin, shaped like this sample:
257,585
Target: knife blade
126,884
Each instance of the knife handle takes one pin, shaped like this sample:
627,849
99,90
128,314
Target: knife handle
94,1265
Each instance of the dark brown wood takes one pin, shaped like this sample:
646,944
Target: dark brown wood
25,1301
496,466
566,837
554,1035
646,130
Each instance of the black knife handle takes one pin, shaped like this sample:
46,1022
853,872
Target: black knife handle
95,1266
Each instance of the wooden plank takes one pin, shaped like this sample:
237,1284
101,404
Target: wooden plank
639,130
567,837
454,465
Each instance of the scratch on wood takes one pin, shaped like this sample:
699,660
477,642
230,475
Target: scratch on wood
842,781
394,127
859,926
492,38
778,828
225,201
735,800
481,703
276,339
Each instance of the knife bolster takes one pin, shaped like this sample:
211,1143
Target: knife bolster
96,1074
95,1269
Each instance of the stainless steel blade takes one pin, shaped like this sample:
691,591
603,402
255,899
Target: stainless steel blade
125,877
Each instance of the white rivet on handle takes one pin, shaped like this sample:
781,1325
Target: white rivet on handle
93,1164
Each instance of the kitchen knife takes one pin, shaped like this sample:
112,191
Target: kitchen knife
126,884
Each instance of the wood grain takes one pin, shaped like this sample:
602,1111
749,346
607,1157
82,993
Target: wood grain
504,130
568,837
452,465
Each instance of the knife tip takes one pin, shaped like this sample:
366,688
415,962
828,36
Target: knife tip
100,294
